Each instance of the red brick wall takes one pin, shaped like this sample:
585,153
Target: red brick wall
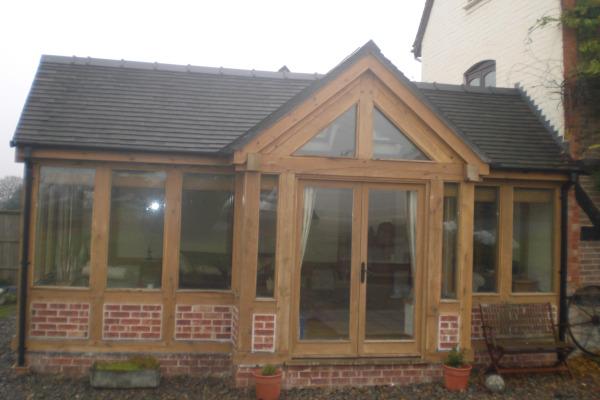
235,326
263,332
59,320
589,263
348,375
448,332
132,322
203,322
171,364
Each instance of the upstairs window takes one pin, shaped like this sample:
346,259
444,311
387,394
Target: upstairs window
338,139
482,74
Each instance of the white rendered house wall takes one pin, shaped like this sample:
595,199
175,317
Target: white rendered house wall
458,37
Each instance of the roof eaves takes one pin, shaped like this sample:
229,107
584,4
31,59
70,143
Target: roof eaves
417,44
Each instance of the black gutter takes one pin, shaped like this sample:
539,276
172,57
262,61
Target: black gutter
564,256
27,177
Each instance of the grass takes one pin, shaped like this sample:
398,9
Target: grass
133,364
7,310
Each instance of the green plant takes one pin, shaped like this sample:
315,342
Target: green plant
137,363
455,358
268,370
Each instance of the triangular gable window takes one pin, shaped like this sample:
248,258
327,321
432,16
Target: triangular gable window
336,140
389,143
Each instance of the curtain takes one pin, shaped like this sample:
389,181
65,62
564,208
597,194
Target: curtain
448,246
412,239
310,195
63,249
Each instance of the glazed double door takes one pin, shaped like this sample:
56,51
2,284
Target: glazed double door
358,266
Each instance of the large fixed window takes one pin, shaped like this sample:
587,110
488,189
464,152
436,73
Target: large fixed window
206,232
63,229
338,139
485,240
135,250
450,241
389,143
267,236
533,220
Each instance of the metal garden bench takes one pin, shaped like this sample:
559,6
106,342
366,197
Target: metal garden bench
514,329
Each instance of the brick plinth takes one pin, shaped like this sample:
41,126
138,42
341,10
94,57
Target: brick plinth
171,364
263,332
132,322
348,375
203,322
448,332
52,320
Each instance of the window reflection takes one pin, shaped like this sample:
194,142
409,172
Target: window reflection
135,250
336,140
267,236
449,241
206,232
485,240
533,240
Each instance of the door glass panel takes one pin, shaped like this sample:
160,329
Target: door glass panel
325,254
391,264
389,143
336,140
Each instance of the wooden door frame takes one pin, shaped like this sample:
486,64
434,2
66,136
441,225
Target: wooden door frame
357,345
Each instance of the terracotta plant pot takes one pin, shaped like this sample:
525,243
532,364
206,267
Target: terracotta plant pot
456,379
267,387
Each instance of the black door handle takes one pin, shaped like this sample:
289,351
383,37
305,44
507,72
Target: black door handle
363,272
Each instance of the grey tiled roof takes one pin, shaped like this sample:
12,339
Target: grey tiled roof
501,123
114,105
145,106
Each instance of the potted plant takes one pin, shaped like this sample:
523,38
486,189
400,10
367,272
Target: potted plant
456,371
136,372
268,382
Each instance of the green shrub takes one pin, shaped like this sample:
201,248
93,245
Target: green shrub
455,358
137,363
269,370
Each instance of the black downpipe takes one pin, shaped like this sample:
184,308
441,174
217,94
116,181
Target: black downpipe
564,256
24,259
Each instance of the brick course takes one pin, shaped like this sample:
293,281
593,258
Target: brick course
52,320
448,332
171,364
263,332
203,322
132,322
347,375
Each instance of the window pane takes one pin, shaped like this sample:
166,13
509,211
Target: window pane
533,212
391,264
63,231
337,140
206,232
489,79
326,247
475,82
485,240
267,236
449,241
390,143
135,248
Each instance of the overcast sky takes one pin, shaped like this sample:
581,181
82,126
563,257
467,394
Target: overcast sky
305,35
